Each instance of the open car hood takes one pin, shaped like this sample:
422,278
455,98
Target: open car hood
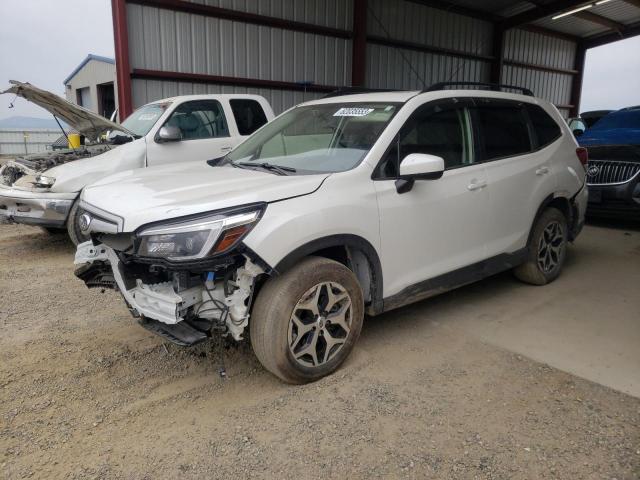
89,124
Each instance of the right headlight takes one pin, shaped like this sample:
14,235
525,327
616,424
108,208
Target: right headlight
197,238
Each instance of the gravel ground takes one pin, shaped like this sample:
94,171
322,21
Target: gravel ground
86,393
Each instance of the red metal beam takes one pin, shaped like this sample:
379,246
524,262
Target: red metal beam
224,80
246,17
576,84
541,68
123,67
391,42
495,74
359,44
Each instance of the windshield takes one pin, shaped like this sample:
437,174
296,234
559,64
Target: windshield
316,138
625,119
141,121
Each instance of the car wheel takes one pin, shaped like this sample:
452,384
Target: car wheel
306,321
73,227
547,249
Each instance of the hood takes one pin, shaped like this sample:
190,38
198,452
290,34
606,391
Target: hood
166,192
613,136
74,176
89,124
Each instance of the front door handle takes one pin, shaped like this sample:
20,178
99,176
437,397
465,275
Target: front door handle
542,171
475,185
226,149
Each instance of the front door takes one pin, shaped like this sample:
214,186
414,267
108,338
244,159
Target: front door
205,134
440,225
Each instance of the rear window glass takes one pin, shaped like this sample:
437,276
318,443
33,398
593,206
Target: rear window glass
620,119
249,115
547,130
504,130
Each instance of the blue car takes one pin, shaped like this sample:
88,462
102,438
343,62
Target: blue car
613,171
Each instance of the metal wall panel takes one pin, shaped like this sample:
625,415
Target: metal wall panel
327,13
174,41
412,22
402,69
145,91
21,142
530,47
543,50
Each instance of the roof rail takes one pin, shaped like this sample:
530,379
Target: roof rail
355,90
492,86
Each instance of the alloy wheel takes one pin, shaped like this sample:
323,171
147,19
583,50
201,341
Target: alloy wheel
550,247
320,324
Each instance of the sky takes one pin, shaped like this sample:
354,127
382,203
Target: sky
42,41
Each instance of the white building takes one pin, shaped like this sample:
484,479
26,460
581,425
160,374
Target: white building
91,85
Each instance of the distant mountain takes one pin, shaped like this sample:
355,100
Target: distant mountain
30,123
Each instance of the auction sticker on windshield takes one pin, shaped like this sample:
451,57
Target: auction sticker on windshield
353,112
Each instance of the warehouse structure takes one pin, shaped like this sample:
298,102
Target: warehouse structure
91,85
294,50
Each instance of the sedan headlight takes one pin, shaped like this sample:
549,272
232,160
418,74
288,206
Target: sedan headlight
38,181
197,238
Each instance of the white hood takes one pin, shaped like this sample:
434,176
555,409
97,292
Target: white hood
74,176
90,124
166,192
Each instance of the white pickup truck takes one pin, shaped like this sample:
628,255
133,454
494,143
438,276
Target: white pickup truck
43,190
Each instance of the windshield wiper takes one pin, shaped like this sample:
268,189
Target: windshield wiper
280,170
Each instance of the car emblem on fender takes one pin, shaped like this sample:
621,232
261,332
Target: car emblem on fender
84,222
593,171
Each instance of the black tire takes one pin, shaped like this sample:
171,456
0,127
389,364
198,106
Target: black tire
547,252
73,229
272,326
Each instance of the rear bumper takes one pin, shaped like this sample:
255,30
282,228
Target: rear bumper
35,208
621,200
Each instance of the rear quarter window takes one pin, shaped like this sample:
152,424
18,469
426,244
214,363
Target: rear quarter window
503,128
248,114
546,129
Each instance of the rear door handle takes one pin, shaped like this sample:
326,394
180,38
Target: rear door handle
226,149
475,185
542,171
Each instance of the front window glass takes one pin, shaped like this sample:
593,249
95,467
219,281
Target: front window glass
199,119
430,129
317,138
144,118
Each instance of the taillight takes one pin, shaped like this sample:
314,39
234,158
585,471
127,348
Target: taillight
583,156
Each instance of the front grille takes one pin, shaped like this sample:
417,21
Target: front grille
610,173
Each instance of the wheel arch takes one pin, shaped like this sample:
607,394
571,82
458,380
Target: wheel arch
354,252
556,201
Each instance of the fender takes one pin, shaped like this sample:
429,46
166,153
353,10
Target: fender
347,241
545,203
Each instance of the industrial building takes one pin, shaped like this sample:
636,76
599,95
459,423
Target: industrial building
91,85
294,50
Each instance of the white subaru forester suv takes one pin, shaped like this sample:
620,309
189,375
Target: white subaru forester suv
340,207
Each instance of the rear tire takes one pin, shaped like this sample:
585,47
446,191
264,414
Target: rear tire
547,249
73,229
306,321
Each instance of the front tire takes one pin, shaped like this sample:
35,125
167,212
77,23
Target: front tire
547,249
73,228
306,321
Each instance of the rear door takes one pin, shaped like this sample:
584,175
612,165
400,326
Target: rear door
440,225
205,134
518,165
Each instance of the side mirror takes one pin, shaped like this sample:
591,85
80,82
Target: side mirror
169,133
418,166
577,132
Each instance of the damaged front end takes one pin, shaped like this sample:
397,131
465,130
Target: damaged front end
184,302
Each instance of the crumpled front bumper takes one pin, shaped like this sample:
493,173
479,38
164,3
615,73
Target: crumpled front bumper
35,208
158,301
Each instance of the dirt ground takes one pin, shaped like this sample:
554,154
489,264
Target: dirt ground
86,393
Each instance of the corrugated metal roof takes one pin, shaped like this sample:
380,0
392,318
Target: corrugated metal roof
619,11
572,25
